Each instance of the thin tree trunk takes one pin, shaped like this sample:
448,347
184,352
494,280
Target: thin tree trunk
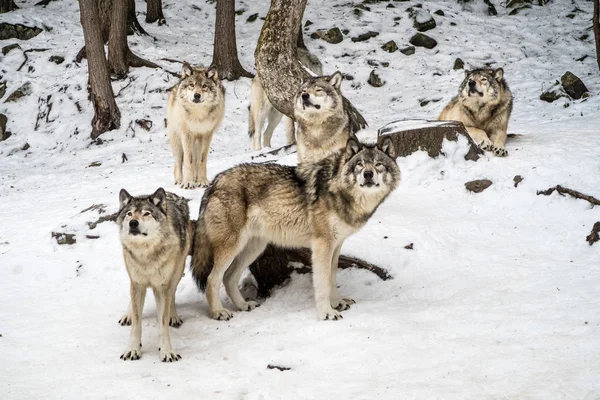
7,5
106,113
133,25
596,23
154,12
225,56
117,41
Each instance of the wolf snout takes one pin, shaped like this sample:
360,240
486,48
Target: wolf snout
196,97
305,96
368,175
472,84
134,224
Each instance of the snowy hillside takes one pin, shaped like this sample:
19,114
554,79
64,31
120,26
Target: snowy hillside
498,299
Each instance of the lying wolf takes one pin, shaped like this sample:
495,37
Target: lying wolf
156,235
483,105
314,205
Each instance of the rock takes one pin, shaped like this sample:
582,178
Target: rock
491,8
365,36
375,80
421,40
478,185
333,36
408,51
145,124
24,90
64,238
422,20
458,64
4,134
2,89
573,85
594,235
18,31
252,18
551,95
7,49
440,13
517,179
410,246
57,59
26,147
308,23
390,6
390,46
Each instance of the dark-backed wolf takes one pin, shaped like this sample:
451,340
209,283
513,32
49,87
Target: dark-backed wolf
195,110
261,108
314,205
156,235
483,105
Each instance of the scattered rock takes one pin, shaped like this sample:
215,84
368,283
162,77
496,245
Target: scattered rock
375,80
390,46
252,18
271,366
422,20
123,158
552,94
517,179
145,124
2,89
583,57
408,51
18,31
491,9
478,185
24,90
64,238
458,64
240,11
594,235
440,13
25,147
4,134
365,36
333,36
57,59
308,23
423,103
421,40
94,164
573,85
390,6
7,49
357,12
409,246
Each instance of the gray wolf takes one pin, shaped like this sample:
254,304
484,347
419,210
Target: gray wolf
314,205
156,235
261,108
322,117
483,105
195,110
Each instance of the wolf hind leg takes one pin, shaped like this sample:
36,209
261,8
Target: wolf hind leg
224,256
290,130
202,147
273,117
174,319
251,251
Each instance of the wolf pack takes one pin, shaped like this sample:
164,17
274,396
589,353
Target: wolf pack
332,193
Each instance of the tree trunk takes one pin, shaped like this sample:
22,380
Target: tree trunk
225,56
133,25
7,5
300,41
277,64
596,23
154,12
117,41
106,112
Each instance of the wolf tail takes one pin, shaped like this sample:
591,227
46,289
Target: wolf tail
251,123
202,257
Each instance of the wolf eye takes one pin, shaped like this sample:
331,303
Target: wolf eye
319,91
378,165
360,164
129,213
146,213
205,86
483,80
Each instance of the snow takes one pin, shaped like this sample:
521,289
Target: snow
498,299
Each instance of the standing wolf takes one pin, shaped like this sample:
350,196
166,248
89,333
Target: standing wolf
323,122
261,108
195,110
314,205
156,235
483,105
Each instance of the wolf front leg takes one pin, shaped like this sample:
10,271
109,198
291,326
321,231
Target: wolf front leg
498,137
177,148
187,145
338,302
202,148
322,254
480,138
137,292
163,297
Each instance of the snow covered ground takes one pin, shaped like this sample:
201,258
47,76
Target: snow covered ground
499,299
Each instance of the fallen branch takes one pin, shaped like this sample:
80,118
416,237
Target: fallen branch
27,58
110,217
571,192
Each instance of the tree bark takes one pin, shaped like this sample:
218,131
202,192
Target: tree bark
106,113
154,12
133,25
225,56
7,5
596,23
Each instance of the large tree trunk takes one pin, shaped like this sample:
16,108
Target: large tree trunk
596,23
225,56
7,5
106,113
154,12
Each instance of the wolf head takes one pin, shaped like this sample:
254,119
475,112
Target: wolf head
199,86
319,97
482,85
140,218
372,169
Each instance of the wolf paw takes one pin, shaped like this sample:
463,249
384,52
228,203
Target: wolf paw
188,185
125,320
175,321
202,183
330,314
343,303
131,355
221,315
249,306
499,151
486,145
169,356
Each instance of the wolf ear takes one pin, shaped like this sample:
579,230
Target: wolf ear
124,198
387,146
336,80
213,74
352,147
159,198
186,70
499,74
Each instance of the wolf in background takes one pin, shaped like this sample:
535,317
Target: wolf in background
195,110
315,205
261,108
483,105
156,236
